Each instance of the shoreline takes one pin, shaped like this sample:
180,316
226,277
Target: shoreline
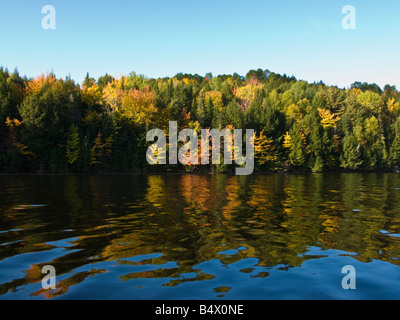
109,173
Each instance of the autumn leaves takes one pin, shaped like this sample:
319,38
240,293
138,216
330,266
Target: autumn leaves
102,124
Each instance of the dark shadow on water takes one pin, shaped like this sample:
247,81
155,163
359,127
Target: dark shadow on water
211,236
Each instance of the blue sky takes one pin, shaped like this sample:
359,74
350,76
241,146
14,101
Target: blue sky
161,38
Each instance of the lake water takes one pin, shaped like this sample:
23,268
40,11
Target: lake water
278,236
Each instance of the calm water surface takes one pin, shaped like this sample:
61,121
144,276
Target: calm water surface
272,236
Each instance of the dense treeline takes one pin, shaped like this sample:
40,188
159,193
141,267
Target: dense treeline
56,125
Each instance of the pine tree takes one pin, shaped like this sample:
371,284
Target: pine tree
73,145
351,156
394,155
297,144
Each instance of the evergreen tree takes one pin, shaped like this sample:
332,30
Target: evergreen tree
297,152
53,124
351,156
394,157
73,145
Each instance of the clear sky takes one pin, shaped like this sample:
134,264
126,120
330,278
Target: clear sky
160,38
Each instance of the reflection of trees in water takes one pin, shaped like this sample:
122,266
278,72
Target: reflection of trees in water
292,213
190,219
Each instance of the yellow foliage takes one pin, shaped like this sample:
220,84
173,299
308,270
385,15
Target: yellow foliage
263,150
293,112
13,123
187,81
328,119
393,107
195,126
91,95
24,150
356,91
112,94
140,106
216,99
246,94
286,140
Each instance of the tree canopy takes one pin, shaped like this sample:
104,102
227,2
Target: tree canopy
49,124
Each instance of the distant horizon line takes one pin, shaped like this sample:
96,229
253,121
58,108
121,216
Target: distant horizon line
196,74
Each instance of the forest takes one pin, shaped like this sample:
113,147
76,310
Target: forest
54,125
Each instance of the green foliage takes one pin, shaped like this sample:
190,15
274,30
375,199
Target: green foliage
394,157
50,124
370,101
318,165
297,147
73,145
351,156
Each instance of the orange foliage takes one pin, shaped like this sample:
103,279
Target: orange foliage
35,85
